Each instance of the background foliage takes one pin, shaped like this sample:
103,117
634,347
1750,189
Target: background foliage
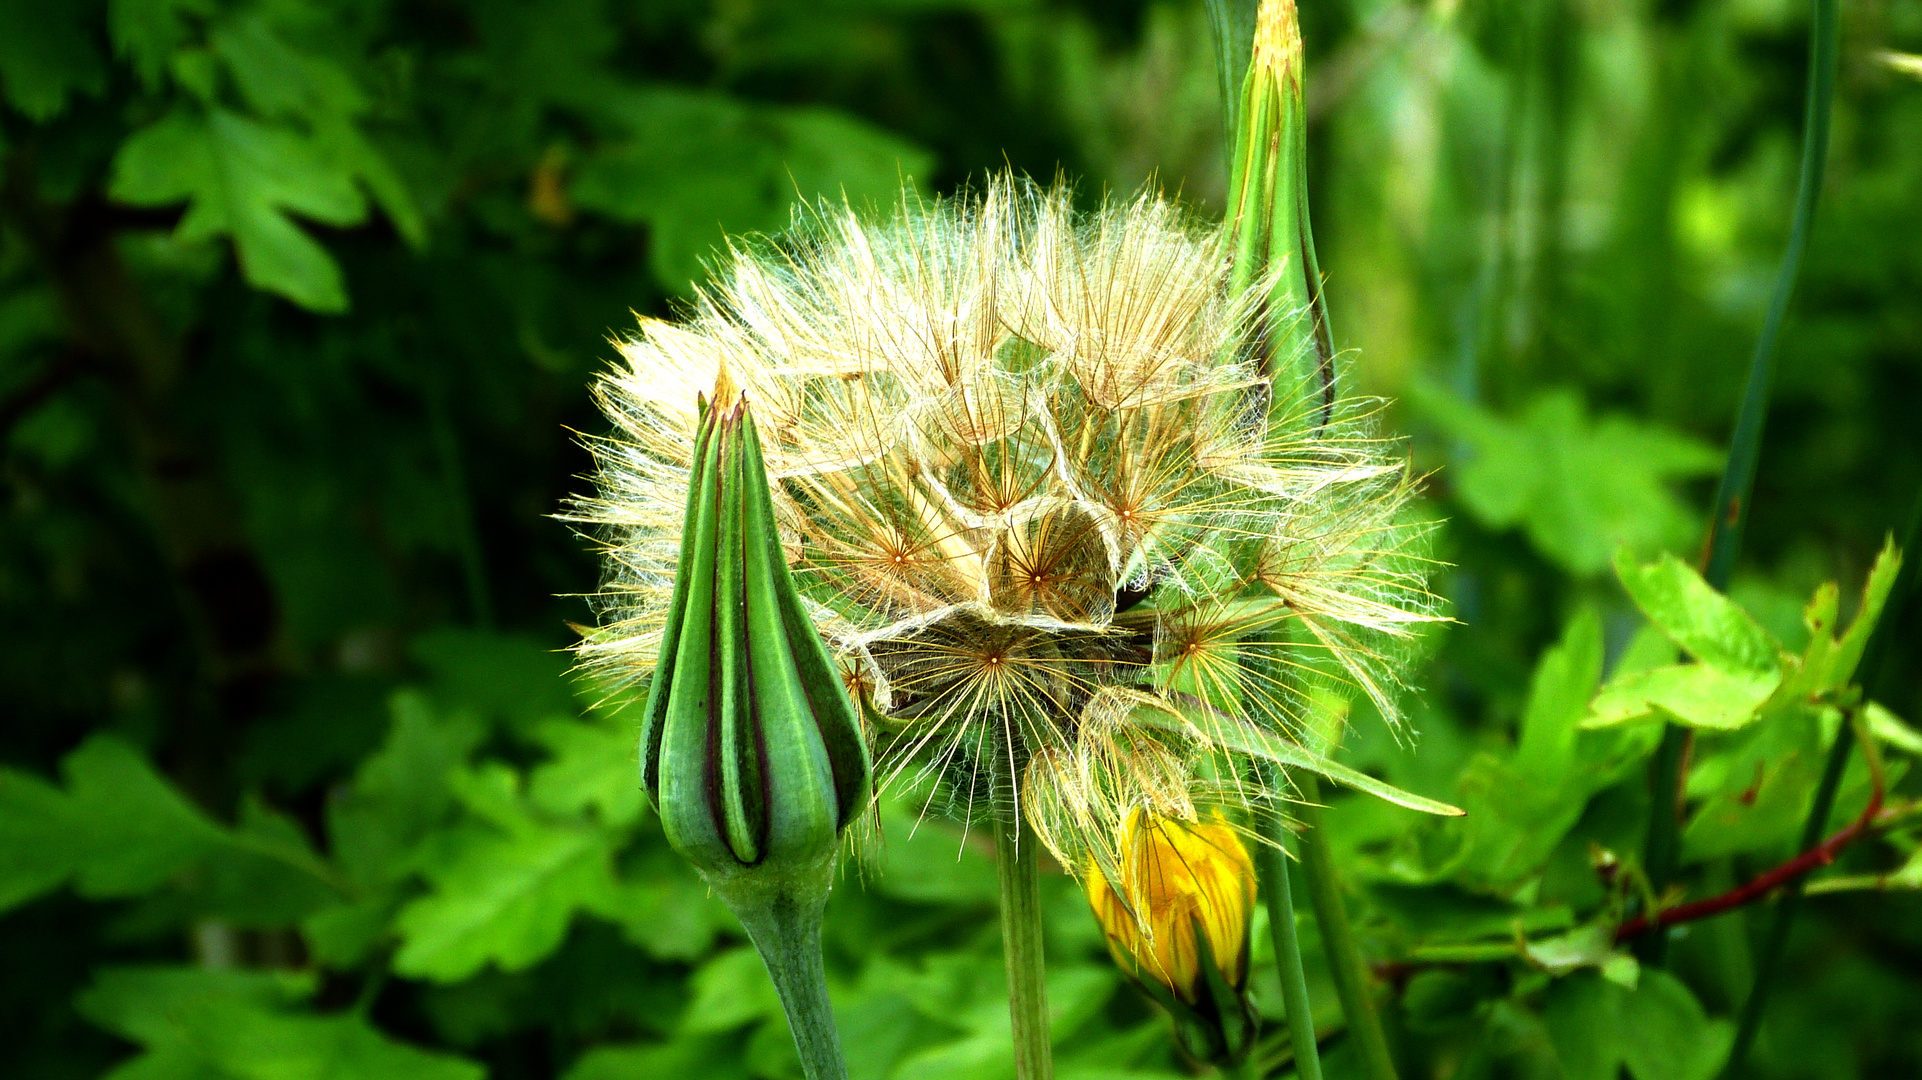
298,302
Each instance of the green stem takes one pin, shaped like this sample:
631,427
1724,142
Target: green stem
785,926
1745,446
1660,850
1281,923
1017,856
1338,937
473,565
1816,824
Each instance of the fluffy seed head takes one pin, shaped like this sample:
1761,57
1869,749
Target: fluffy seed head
1030,483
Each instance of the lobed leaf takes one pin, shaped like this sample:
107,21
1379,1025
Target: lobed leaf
504,894
199,1024
1708,625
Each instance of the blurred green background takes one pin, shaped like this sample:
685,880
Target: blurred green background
299,302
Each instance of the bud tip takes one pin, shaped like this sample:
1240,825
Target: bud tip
1278,38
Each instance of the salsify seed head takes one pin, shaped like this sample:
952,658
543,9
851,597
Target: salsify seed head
1036,495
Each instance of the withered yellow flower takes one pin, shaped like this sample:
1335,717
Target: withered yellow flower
1066,540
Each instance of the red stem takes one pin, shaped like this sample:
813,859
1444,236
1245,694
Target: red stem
1816,857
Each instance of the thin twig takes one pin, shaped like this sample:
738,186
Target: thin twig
1768,881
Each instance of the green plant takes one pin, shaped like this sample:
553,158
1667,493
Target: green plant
296,306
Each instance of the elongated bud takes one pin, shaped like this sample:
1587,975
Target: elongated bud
1274,248
751,750
1176,920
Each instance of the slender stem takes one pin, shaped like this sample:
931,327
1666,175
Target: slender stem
785,926
1017,856
1338,938
1281,923
1745,446
473,564
1661,850
1766,966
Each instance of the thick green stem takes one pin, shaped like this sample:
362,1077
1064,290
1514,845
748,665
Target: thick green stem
1745,447
1281,923
785,926
1338,938
1017,853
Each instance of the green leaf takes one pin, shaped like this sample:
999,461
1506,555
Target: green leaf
277,80
667,910
1891,729
1668,1035
594,765
399,800
266,874
929,862
130,829
1698,695
511,676
118,829
1754,790
147,32
731,990
1709,626
1578,488
34,855
696,165
1828,662
1583,1017
1558,696
243,179
401,796
282,82
504,894
1439,1000
201,1024
1658,1030
46,56
1519,809
1587,946
712,1056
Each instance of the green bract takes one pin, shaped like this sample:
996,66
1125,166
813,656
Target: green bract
752,751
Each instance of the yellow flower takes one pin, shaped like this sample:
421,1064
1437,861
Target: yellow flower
1182,886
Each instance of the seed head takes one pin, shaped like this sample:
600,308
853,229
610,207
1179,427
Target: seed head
1032,490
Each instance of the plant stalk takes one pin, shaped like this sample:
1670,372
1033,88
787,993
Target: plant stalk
1017,858
1745,446
1338,937
1281,923
1767,965
785,926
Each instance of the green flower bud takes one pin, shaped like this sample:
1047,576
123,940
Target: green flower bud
751,750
